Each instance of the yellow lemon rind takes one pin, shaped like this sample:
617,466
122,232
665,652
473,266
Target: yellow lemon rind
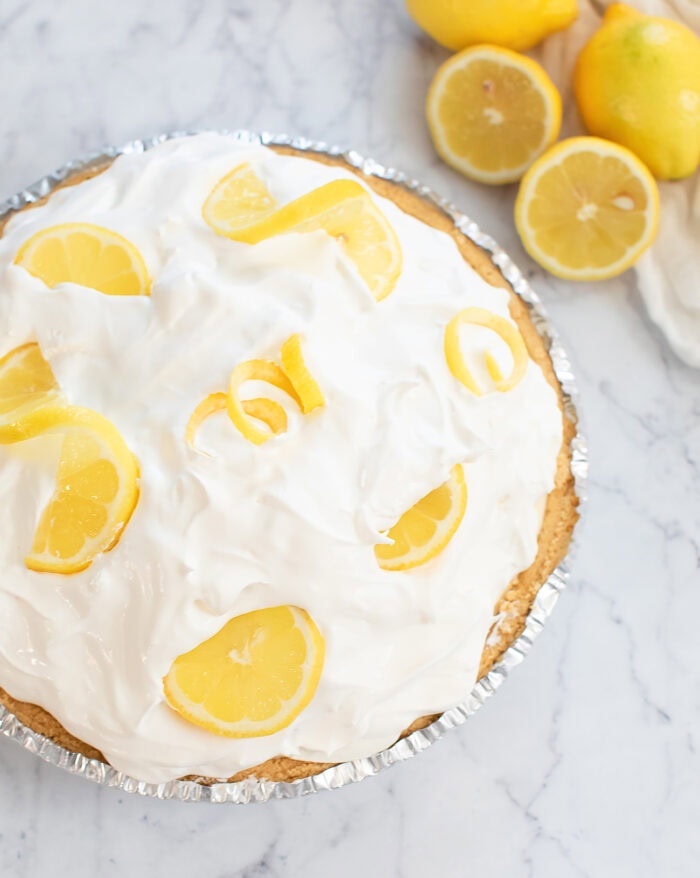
33,419
299,211
266,410
513,25
308,391
505,330
255,370
636,82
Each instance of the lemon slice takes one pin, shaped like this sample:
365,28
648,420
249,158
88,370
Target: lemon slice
97,480
428,526
241,209
504,329
266,410
88,255
240,199
307,389
587,209
253,678
95,494
256,370
26,384
491,112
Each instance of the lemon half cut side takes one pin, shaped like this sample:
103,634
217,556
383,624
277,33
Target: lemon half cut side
491,112
587,209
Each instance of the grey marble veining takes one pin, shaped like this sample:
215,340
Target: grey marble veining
586,763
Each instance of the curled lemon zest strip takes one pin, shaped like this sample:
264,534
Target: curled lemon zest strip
503,328
215,402
493,368
266,410
303,381
256,370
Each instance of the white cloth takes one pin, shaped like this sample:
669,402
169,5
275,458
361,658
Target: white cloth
668,274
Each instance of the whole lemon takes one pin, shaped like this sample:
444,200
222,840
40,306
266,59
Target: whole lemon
514,24
637,82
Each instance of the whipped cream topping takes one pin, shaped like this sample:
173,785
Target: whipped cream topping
293,521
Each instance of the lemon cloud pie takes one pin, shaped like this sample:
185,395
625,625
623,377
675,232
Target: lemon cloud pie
284,463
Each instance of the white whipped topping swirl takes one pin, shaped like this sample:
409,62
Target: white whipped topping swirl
293,521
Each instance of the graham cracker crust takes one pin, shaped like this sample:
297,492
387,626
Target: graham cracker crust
560,513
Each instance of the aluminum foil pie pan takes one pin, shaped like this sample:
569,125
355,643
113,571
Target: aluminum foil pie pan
252,789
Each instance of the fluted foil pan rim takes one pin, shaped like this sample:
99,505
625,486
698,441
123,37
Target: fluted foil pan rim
252,789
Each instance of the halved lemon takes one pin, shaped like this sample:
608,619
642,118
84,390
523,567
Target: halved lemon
95,494
26,384
253,678
427,527
491,112
303,381
84,254
587,209
240,208
503,328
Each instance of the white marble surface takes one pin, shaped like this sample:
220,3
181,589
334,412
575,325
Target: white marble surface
587,762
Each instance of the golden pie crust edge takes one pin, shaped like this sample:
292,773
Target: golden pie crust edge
560,514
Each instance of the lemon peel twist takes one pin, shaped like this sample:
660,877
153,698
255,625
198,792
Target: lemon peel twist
255,370
505,330
240,207
266,410
293,378
295,368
